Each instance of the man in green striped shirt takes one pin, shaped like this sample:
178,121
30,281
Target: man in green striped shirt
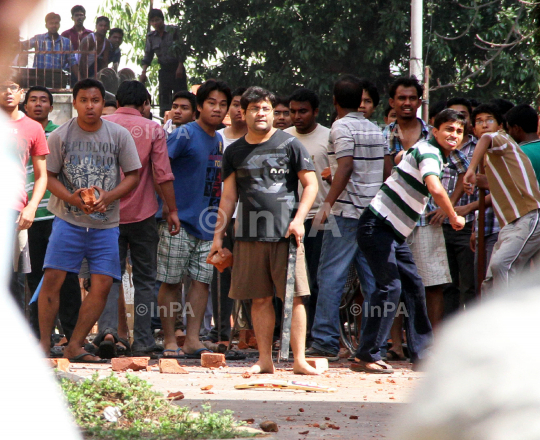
383,228
38,105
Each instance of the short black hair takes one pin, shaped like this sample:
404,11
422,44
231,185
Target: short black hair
52,16
209,86
186,95
406,81
460,101
155,13
474,102
38,89
373,93
502,104
239,91
116,31
256,94
448,115
131,93
387,111
306,95
489,109
523,116
86,84
348,92
103,18
436,108
282,100
110,104
77,8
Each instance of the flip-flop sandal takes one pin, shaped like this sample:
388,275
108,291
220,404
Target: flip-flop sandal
197,353
391,355
232,355
177,354
56,352
313,352
79,359
363,368
122,347
107,350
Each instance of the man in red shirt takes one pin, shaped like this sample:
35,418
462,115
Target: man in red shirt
27,139
78,31
138,227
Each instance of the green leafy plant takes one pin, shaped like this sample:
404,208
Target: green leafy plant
144,413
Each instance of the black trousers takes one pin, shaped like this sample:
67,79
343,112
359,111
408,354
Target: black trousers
226,302
168,86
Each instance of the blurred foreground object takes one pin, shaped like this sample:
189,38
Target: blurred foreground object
481,382
32,406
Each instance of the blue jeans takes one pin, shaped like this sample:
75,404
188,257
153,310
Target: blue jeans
339,250
393,266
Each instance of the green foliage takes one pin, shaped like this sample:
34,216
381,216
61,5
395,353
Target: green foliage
134,22
514,71
283,44
145,413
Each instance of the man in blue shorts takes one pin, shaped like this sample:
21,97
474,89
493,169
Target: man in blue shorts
87,152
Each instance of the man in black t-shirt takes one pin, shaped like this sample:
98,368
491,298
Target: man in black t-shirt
261,172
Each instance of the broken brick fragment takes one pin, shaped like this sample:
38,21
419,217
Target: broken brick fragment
213,360
171,366
320,364
129,363
269,426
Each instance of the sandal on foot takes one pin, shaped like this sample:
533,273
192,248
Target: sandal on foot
391,355
197,353
361,367
178,354
108,349
313,352
79,359
232,355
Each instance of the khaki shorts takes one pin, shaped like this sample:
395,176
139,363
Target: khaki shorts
429,253
259,267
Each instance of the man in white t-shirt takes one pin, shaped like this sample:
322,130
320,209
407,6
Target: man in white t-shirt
235,131
304,109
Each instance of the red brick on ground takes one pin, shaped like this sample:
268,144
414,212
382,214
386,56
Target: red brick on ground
213,360
320,364
171,366
130,363
60,363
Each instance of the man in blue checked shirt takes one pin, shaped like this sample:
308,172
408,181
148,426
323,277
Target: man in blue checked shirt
51,42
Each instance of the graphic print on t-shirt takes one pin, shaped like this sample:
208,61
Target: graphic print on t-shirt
90,164
267,184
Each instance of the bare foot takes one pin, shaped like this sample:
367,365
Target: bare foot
302,367
259,368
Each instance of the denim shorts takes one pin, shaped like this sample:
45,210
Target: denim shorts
69,244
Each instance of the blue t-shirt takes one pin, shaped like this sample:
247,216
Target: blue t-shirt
196,165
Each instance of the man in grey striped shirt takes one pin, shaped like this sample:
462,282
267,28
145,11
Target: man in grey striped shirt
383,228
356,153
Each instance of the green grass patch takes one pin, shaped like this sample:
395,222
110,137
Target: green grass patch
145,413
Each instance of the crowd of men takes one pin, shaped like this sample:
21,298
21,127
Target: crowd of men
398,204
86,53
